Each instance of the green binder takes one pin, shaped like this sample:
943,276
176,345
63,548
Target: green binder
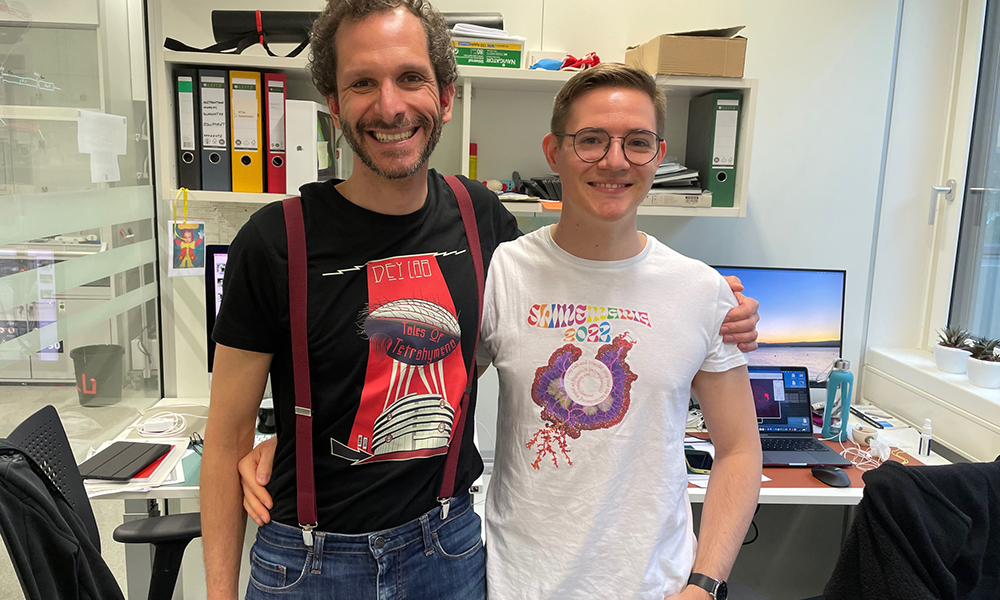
712,140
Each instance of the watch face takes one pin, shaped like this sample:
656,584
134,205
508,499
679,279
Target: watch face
722,592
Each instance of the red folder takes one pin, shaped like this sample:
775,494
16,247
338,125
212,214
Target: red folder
274,115
146,473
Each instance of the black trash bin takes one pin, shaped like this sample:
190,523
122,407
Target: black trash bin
99,373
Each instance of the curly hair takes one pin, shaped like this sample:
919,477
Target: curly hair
607,75
323,50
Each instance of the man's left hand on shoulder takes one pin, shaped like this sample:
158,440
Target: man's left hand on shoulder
691,592
740,324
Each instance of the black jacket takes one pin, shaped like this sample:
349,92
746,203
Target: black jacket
48,543
923,532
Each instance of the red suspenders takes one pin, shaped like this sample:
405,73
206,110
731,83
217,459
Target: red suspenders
472,234
305,479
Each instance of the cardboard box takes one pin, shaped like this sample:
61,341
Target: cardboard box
707,53
506,53
666,198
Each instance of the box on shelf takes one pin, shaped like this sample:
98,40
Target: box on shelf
706,53
507,53
666,198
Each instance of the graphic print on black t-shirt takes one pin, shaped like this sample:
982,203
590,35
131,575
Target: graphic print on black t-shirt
415,374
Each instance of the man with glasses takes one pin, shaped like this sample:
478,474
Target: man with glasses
600,334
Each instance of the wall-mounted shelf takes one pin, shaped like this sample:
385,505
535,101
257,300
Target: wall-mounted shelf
273,63
41,113
506,119
228,197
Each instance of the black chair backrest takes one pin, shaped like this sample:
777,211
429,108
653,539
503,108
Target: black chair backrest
43,438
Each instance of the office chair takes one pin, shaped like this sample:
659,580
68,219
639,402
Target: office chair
42,439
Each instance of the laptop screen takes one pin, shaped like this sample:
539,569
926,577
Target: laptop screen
781,399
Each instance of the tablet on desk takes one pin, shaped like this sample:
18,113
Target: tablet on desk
121,461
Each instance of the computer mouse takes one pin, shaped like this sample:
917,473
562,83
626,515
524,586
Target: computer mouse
833,476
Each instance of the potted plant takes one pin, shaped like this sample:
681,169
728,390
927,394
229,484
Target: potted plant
984,363
952,349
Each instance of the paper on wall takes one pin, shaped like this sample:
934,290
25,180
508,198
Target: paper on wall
104,137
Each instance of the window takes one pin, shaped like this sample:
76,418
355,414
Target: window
975,301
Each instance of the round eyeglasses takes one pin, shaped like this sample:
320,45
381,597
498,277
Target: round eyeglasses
591,144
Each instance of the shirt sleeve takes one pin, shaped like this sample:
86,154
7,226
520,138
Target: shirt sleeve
248,317
722,356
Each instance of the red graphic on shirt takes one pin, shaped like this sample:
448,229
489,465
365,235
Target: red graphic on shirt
415,378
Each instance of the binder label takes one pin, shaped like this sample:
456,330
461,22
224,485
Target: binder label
185,111
213,113
726,125
276,115
244,115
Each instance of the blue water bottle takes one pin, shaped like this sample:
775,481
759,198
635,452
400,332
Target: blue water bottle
838,402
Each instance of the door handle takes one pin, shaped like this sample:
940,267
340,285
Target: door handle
948,189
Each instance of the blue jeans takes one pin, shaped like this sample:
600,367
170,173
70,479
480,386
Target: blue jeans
425,558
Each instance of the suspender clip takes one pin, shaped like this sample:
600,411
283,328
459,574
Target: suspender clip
445,505
307,534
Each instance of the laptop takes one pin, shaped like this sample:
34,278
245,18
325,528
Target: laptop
781,399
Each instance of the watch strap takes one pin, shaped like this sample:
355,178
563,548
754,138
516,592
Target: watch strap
705,582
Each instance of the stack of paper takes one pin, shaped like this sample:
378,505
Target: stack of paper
675,177
478,31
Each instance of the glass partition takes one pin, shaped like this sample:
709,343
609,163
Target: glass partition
78,278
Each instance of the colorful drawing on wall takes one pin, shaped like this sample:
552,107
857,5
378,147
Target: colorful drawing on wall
187,249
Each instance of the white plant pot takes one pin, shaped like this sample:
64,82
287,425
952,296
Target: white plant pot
950,360
983,374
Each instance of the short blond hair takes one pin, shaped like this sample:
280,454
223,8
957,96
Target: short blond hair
607,75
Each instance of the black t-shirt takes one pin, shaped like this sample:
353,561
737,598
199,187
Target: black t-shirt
390,299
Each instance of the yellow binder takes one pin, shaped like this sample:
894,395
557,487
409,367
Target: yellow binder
247,142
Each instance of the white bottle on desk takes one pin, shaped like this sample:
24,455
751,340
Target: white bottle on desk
925,439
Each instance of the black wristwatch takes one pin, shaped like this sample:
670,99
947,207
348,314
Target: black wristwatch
718,589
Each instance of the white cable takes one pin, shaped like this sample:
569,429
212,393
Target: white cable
164,424
862,459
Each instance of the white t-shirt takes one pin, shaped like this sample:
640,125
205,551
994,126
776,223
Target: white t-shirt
588,497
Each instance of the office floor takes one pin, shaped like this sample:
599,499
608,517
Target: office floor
86,426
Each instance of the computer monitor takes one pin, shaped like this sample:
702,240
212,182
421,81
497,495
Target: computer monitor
801,317
215,272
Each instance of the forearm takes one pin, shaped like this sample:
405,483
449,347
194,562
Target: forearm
223,521
730,500
239,379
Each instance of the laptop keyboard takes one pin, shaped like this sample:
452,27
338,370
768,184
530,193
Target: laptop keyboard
791,444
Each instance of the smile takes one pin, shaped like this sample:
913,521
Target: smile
394,137
611,186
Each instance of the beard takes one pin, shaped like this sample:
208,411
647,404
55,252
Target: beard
356,133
